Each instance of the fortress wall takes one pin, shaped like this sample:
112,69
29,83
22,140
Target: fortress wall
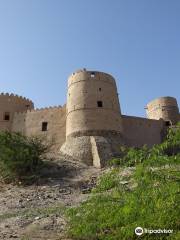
9,104
93,121
140,131
31,124
18,124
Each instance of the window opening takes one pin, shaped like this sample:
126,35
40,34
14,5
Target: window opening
44,126
92,74
168,123
99,103
7,116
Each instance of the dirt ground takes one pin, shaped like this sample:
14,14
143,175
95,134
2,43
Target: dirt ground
36,212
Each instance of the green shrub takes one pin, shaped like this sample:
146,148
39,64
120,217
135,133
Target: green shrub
20,156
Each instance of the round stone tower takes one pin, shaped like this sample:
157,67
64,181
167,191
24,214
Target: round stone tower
9,104
93,122
92,104
165,108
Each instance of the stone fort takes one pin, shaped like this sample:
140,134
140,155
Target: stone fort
90,127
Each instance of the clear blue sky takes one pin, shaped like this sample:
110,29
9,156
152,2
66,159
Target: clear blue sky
137,41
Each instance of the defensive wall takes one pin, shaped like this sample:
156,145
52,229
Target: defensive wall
9,104
49,123
142,131
91,127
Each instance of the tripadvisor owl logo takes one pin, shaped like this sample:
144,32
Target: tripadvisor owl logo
139,231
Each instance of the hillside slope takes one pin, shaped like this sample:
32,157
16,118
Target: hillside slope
71,201
141,189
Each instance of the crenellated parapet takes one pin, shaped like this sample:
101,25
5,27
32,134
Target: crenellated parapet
16,99
50,108
36,110
82,75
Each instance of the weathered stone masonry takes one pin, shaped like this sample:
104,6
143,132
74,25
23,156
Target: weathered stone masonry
90,128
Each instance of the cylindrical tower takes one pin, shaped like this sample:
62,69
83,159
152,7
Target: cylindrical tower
9,104
165,108
93,122
92,104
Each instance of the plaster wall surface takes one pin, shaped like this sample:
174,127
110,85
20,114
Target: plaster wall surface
95,153
165,108
78,148
140,131
86,90
30,124
9,104
19,123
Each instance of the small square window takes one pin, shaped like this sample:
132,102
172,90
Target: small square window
99,103
168,123
44,126
7,116
92,74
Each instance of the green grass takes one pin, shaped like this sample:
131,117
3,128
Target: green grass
115,208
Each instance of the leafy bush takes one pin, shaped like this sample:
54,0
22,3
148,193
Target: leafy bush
20,156
152,203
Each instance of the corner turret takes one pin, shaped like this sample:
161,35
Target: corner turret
165,108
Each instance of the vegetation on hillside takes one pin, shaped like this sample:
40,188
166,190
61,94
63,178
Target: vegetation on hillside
20,156
141,189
